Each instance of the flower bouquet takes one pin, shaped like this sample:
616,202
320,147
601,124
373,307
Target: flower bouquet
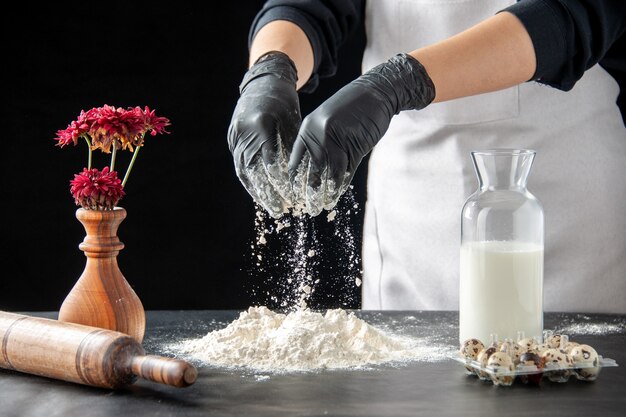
108,129
102,297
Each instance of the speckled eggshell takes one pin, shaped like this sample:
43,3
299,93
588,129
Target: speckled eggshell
528,344
559,363
531,358
505,346
483,358
515,351
569,346
587,356
500,362
554,341
470,350
542,348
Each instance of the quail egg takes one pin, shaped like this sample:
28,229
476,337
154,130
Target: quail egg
470,350
483,358
528,344
534,362
502,369
554,341
586,362
557,365
569,346
513,349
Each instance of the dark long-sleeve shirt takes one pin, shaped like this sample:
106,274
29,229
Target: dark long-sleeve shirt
569,36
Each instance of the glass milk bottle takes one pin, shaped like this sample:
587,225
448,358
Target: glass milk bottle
501,288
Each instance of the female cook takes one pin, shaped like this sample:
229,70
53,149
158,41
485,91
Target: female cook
462,87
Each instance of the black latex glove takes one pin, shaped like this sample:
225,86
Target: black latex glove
335,137
262,130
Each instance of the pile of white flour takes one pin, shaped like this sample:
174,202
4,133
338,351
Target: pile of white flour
302,340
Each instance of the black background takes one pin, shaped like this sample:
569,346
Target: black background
190,222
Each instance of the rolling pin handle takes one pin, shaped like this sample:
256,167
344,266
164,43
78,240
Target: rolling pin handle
164,370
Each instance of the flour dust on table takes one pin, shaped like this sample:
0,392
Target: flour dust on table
304,340
584,325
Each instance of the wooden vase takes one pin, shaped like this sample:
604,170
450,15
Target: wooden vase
102,297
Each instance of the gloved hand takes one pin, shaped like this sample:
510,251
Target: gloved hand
335,137
262,130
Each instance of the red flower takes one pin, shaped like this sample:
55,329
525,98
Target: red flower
154,123
109,126
115,127
97,190
74,130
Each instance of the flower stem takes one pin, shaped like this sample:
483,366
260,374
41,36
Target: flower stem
130,165
113,153
90,152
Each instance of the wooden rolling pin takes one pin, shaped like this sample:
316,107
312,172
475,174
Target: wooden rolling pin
83,354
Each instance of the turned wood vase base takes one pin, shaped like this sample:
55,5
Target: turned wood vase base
102,297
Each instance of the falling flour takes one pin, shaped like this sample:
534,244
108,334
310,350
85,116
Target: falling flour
290,254
303,340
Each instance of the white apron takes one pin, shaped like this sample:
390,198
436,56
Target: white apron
421,173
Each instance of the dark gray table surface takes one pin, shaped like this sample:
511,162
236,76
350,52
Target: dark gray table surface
414,389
